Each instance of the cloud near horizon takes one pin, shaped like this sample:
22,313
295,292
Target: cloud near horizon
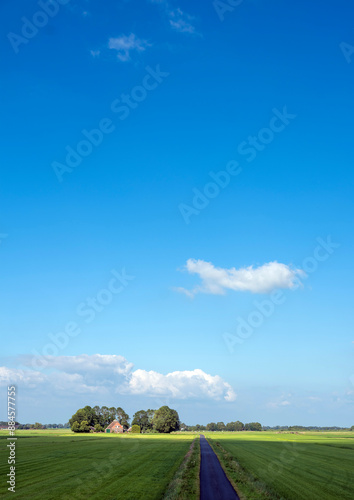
101,373
180,385
262,279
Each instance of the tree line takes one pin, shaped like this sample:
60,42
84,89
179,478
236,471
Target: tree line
220,426
38,425
301,428
87,419
163,420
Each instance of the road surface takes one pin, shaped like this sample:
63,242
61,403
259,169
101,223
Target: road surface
214,484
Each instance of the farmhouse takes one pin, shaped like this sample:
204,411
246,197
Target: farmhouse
115,426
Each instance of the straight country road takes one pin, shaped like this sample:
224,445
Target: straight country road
214,485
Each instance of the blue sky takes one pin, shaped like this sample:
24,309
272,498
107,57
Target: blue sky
178,93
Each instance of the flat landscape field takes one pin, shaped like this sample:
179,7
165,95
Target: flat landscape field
60,465
53,465
310,465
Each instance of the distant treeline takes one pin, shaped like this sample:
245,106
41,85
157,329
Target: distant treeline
300,428
256,426
220,426
37,425
144,420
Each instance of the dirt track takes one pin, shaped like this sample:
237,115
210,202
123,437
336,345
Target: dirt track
214,484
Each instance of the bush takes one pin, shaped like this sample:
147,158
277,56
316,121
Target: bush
75,427
135,429
98,428
84,427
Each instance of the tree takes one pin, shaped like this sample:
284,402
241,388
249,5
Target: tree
135,429
211,426
112,413
98,428
122,417
105,416
75,427
221,426
102,416
239,426
253,426
90,415
98,414
166,420
143,419
198,428
235,426
84,427
78,417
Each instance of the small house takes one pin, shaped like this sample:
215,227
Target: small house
115,427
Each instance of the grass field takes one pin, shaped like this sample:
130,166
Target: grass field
291,466
62,465
57,464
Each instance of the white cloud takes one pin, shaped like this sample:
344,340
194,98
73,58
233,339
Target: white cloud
95,364
124,45
29,378
278,404
95,53
262,279
314,398
100,373
178,20
180,385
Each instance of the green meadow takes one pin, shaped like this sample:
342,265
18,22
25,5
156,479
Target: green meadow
57,464
311,465
62,465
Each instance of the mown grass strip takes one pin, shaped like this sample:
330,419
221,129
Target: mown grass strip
185,483
246,485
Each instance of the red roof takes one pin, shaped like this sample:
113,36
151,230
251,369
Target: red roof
115,423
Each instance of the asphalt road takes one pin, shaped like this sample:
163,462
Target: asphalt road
214,484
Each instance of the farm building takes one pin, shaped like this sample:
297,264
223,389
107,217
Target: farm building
115,426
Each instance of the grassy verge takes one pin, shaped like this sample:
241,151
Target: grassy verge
247,486
185,484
